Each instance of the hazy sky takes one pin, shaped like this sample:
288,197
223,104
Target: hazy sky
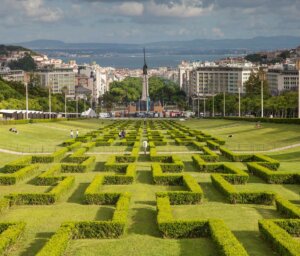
145,20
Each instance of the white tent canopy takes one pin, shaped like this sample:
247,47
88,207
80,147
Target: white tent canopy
89,113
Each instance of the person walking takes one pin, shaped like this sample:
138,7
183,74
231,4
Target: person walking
145,145
77,133
71,134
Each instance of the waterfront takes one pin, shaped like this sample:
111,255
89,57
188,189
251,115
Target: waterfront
134,61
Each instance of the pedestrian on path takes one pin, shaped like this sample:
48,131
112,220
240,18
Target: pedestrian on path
77,133
145,145
71,134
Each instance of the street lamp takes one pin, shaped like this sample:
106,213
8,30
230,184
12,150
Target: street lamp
224,103
50,101
26,92
262,78
239,89
298,67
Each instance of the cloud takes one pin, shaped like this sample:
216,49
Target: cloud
180,9
130,9
31,10
217,32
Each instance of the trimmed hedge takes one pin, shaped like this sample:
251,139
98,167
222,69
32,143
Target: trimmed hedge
128,178
85,166
58,243
93,195
54,157
266,120
274,177
280,239
21,174
74,145
16,165
9,233
226,242
246,197
43,198
287,208
47,178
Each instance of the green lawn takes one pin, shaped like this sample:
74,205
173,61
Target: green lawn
44,137
246,137
142,236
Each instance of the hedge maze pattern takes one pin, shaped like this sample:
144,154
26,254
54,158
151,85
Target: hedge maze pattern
58,171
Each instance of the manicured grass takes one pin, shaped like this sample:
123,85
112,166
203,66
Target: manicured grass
142,236
246,137
44,137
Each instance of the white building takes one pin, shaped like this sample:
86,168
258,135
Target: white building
280,80
99,76
57,79
209,80
13,75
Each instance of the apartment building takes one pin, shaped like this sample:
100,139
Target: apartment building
209,80
13,75
57,79
280,80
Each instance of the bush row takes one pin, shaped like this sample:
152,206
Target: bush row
128,178
171,228
9,234
16,165
54,157
209,155
21,174
93,195
264,160
280,239
43,198
47,178
164,179
287,208
58,243
274,177
246,197
85,166
266,120
226,242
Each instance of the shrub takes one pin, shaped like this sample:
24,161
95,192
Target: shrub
213,145
43,198
16,165
226,242
287,208
241,197
281,241
21,174
85,166
54,157
74,145
47,178
270,176
10,232
58,243
4,205
92,194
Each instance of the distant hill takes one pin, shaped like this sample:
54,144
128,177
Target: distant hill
178,47
6,49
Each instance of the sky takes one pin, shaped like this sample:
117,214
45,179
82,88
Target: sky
132,21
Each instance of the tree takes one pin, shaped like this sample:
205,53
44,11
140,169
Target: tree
253,86
26,63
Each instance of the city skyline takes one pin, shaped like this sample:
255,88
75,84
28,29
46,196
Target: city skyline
145,21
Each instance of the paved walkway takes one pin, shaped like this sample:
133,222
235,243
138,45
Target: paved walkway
271,150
